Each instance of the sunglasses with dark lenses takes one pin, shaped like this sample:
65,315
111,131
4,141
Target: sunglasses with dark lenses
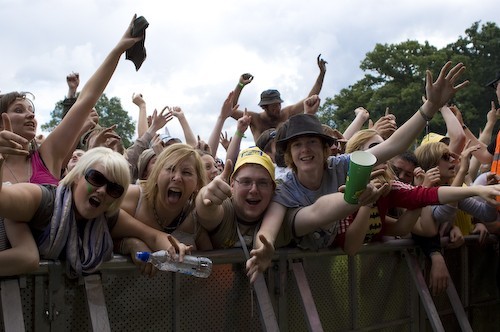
97,179
447,156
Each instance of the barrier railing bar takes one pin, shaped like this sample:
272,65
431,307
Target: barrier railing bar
308,304
423,291
96,303
12,308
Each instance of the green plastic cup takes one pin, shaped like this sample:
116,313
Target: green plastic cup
358,176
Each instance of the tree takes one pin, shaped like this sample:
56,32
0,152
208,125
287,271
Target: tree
395,78
110,112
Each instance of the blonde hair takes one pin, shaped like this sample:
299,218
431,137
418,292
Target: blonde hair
358,140
428,155
170,157
115,165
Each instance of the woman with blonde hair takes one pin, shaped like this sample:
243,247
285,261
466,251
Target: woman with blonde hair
25,161
85,205
165,201
449,169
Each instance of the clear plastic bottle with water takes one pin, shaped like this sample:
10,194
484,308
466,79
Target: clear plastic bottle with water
191,265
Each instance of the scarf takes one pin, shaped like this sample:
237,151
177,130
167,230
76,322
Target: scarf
85,253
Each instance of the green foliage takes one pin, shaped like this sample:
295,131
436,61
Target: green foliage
110,112
395,78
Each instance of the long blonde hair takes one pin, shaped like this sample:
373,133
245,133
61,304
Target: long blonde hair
171,156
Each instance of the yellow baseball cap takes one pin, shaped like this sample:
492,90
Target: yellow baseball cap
433,138
254,155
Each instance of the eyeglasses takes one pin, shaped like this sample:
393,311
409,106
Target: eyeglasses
247,183
97,179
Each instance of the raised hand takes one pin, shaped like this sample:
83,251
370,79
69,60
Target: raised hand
321,64
159,121
244,122
438,93
138,99
227,109
432,177
245,79
224,141
311,104
218,189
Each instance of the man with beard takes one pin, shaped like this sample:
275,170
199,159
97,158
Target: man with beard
270,101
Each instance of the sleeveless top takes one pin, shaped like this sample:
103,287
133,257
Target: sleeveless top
40,172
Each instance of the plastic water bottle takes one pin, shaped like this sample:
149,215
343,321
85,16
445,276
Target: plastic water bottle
192,265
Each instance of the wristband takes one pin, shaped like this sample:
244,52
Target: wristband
237,133
241,84
425,116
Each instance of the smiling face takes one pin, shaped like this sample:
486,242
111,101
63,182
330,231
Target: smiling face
91,201
22,118
176,184
251,203
307,153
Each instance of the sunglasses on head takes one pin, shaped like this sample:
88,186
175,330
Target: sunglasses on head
97,179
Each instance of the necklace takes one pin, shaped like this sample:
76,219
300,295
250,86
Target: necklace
173,225
28,167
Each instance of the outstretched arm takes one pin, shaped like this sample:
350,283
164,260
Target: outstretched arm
438,94
210,198
361,115
62,139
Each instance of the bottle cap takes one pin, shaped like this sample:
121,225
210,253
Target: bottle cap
142,255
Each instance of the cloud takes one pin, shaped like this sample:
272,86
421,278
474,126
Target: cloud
198,49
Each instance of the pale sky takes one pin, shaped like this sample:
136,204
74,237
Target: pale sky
198,49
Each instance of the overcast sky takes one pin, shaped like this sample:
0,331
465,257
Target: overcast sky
198,49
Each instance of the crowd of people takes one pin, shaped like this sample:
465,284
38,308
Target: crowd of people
80,195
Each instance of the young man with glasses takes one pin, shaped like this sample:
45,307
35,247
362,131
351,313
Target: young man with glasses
233,204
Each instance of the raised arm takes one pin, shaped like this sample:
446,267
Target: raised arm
186,128
438,94
454,129
361,115
226,110
298,107
241,128
62,139
142,119
243,80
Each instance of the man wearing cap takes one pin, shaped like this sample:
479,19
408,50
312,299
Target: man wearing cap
270,101
224,209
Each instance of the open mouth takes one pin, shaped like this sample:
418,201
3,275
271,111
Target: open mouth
173,196
307,158
253,201
94,202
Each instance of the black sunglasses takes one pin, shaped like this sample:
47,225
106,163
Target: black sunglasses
97,179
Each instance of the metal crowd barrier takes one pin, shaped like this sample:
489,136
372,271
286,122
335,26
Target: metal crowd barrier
382,288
